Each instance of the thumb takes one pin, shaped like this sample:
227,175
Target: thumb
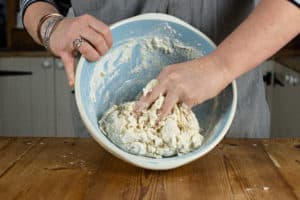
68,61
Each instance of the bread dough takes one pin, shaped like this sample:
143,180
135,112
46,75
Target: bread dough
177,134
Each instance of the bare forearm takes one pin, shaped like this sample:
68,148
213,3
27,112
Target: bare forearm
271,25
33,15
59,34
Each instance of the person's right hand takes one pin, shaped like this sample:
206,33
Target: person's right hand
97,36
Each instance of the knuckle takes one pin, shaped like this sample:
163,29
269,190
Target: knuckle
173,76
189,99
155,90
74,23
147,101
142,100
86,17
101,45
73,27
152,98
189,104
166,70
100,42
180,88
106,30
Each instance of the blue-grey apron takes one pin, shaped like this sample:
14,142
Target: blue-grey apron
215,18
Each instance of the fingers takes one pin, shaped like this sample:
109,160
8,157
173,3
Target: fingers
170,101
97,35
164,74
146,101
190,102
68,61
96,40
100,27
89,52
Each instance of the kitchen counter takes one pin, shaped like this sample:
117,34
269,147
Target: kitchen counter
74,168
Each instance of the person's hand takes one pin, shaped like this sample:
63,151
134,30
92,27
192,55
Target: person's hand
190,82
97,41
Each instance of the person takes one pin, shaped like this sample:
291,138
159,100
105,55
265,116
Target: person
246,35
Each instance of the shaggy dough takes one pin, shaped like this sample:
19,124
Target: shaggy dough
177,134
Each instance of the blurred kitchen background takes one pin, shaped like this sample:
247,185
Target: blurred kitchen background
35,99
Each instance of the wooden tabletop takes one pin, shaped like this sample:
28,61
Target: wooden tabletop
73,168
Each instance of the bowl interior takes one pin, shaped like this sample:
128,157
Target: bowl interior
119,76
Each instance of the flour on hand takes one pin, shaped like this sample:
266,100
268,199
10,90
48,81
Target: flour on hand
176,134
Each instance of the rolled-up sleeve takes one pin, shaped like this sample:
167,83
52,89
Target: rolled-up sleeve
62,6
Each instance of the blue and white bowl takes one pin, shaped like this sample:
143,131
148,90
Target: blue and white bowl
98,86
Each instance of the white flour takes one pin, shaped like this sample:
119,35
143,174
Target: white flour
128,66
151,51
177,134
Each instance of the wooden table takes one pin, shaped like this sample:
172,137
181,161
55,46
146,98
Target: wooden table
52,168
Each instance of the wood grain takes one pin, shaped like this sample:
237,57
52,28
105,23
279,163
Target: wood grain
286,157
252,173
54,169
67,168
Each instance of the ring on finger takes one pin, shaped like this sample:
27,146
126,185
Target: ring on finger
78,42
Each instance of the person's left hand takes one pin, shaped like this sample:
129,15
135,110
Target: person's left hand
190,82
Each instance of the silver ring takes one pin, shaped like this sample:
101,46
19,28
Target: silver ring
77,43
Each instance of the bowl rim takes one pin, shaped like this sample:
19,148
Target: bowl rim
141,161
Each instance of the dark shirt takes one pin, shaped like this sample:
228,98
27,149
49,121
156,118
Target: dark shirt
64,5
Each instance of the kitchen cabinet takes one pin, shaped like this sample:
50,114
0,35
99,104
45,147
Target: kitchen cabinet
285,105
26,89
283,96
35,97
63,98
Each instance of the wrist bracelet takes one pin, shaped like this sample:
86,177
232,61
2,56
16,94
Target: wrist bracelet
41,22
45,30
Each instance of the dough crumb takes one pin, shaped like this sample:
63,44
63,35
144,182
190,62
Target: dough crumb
176,134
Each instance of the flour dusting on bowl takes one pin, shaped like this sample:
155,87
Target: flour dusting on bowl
138,55
149,53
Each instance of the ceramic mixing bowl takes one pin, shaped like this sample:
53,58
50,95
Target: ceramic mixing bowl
118,77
